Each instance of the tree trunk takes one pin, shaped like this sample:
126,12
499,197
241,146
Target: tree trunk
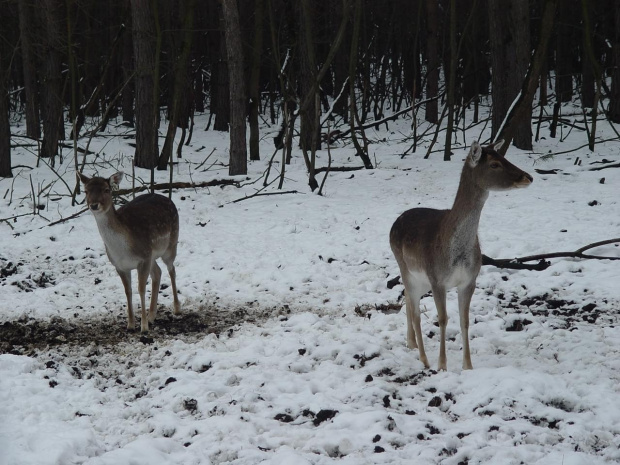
521,109
52,103
447,153
5,129
510,56
432,61
614,101
564,51
180,84
238,100
26,22
308,132
254,91
127,68
220,87
144,20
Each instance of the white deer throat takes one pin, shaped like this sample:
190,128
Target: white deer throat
117,245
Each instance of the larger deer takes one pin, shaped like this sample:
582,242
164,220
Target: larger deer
135,236
439,249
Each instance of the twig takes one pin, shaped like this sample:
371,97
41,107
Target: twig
179,185
260,194
518,263
75,215
599,168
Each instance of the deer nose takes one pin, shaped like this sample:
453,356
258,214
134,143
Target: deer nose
529,177
94,206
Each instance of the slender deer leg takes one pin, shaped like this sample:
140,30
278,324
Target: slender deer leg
126,279
168,259
411,337
414,326
465,294
439,294
144,269
155,280
173,279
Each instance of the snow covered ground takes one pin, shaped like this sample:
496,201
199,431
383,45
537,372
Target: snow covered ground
316,370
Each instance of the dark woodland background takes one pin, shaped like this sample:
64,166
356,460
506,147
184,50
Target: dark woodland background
68,67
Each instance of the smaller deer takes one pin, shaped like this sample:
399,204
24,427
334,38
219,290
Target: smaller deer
135,236
439,249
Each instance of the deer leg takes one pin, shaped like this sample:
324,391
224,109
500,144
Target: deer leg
126,279
414,326
411,337
169,261
439,294
465,294
144,269
155,280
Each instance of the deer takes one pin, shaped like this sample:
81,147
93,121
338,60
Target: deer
437,250
135,236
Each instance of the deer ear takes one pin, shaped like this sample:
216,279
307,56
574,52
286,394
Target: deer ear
115,180
498,145
475,152
85,179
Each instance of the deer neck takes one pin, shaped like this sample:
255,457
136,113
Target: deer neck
463,219
110,228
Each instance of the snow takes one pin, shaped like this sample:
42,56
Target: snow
322,374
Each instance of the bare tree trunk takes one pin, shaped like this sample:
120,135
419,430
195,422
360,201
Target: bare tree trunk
432,61
308,135
614,100
510,57
5,129
254,91
26,23
564,51
238,150
144,19
451,82
51,11
220,88
127,67
180,84
520,112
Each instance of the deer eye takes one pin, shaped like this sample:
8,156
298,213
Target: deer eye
106,191
495,165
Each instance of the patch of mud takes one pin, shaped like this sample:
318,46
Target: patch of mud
28,336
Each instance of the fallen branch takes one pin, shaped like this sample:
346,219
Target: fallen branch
337,168
75,215
179,185
599,168
260,194
543,264
519,263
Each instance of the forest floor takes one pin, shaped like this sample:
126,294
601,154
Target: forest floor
291,345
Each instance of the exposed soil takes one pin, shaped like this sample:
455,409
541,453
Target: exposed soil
28,336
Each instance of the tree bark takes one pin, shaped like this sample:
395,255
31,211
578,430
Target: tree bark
180,84
238,101
521,110
309,128
432,61
254,91
564,51
127,69
510,57
5,129
52,104
144,19
26,23
447,153
614,103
